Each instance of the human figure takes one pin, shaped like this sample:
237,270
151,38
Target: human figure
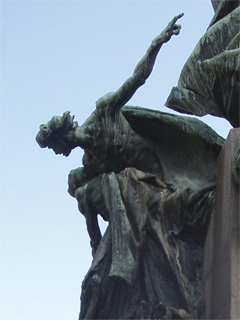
152,185
106,130
111,144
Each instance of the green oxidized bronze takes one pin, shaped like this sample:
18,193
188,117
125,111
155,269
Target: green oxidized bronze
152,176
209,81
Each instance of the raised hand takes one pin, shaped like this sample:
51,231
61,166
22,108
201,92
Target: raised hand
171,29
116,100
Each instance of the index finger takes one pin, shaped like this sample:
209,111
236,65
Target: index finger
174,20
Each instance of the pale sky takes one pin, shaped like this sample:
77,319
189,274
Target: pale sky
58,56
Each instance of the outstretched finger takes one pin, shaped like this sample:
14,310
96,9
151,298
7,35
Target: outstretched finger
174,20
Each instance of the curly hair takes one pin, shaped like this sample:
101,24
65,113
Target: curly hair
54,128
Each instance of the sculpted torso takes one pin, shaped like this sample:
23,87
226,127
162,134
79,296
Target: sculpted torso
108,130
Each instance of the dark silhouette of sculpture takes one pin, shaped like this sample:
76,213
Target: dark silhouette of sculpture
152,247
152,175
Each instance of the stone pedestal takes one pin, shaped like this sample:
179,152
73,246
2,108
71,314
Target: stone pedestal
221,274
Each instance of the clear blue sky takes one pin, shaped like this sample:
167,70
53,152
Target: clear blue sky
58,56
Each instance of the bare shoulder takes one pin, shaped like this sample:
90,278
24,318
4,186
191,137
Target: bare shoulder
106,101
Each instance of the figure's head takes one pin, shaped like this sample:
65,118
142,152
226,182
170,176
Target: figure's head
57,134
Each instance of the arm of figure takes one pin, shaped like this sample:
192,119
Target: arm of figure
90,199
118,99
90,204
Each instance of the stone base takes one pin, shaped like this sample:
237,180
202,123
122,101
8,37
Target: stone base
221,274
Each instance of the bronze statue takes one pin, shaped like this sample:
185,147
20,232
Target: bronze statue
209,80
107,129
152,175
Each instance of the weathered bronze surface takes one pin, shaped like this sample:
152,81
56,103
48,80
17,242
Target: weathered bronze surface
152,176
209,81
221,276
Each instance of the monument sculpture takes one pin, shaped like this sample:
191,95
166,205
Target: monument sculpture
152,176
209,81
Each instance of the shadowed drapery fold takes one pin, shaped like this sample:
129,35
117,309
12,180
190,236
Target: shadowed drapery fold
209,80
152,248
